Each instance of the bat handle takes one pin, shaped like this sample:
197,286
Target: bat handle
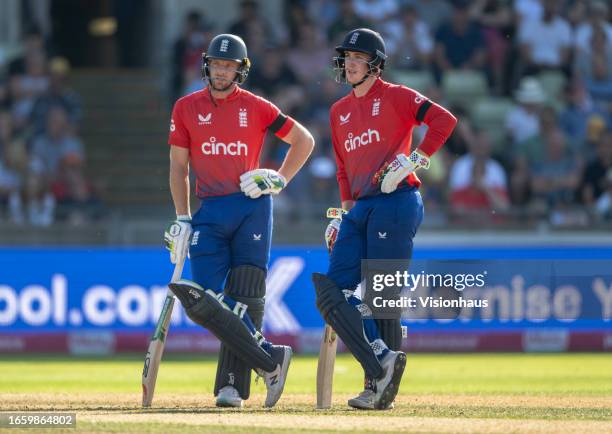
178,268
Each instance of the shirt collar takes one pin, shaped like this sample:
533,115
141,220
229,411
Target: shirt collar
232,96
378,84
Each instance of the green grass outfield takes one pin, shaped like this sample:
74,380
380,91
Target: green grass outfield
466,393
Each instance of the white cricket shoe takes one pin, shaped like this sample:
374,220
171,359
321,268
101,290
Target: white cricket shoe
365,400
229,397
275,380
387,386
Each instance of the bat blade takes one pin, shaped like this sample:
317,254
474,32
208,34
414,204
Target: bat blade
325,368
155,352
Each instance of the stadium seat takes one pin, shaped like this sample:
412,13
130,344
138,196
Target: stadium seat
464,87
489,114
417,80
553,83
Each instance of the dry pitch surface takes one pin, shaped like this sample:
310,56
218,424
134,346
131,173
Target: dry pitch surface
500,393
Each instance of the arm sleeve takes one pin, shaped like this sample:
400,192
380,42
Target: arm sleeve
179,135
417,109
343,183
273,119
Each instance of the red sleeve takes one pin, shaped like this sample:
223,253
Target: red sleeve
343,184
179,135
271,116
420,110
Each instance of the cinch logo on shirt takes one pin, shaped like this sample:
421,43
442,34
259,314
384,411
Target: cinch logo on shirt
354,142
212,147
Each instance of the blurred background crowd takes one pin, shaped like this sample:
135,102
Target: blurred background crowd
42,157
529,80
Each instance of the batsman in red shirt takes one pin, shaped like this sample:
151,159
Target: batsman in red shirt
219,131
382,208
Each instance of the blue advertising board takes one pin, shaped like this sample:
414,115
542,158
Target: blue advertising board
67,289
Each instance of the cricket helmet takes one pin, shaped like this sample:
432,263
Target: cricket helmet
364,41
227,47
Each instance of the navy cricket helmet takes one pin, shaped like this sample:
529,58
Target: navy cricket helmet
227,47
364,41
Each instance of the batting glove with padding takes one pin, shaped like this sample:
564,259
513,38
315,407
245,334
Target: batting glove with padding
176,238
261,181
395,172
333,228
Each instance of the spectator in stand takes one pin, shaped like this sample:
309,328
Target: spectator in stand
412,39
347,20
187,51
13,163
56,171
58,94
533,148
522,122
556,178
250,21
432,12
33,43
383,14
478,184
326,11
598,17
528,10
545,43
26,88
310,58
272,79
596,182
497,22
459,43
594,67
579,111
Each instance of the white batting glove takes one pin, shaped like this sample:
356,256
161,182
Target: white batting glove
333,228
261,181
176,238
396,171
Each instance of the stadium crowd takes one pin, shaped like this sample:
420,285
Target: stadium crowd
42,159
530,81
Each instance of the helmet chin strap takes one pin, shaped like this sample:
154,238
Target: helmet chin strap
365,77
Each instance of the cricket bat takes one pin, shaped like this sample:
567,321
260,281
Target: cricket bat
158,341
325,367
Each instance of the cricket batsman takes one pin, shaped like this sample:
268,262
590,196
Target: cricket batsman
219,131
371,133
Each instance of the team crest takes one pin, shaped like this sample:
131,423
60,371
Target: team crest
376,107
242,118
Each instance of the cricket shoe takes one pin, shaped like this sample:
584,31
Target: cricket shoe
387,386
275,380
229,397
366,399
